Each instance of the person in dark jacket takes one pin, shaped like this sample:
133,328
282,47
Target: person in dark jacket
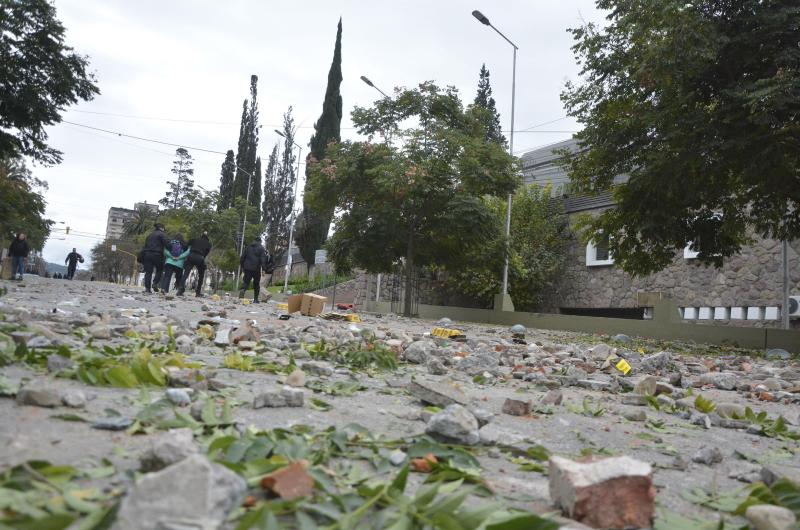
72,263
200,247
19,251
153,257
174,258
253,261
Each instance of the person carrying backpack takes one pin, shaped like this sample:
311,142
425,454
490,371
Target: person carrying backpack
72,263
199,249
152,257
175,254
254,259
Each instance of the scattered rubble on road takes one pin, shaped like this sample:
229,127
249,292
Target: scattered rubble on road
208,413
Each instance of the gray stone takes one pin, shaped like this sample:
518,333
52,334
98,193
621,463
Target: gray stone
99,331
601,351
38,397
419,351
730,410
646,386
192,494
57,363
772,384
436,366
771,472
168,449
179,396
518,329
286,397
318,368
397,457
721,380
454,424
482,415
74,398
708,456
634,399
656,361
621,337
478,363
437,393
770,517
634,415
223,337
496,435
444,322
702,420
595,384
746,472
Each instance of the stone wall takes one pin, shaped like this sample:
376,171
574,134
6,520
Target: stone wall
432,290
752,278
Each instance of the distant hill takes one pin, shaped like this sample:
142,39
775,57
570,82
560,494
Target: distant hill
53,268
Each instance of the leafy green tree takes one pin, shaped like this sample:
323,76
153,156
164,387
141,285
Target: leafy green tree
484,100
227,175
114,266
313,224
697,103
419,199
140,223
539,234
39,76
279,189
246,153
180,190
22,206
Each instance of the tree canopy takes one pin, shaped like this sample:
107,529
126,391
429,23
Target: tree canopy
484,100
419,198
22,206
279,187
39,76
698,104
246,154
180,190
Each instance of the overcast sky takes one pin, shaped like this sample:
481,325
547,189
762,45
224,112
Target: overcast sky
179,71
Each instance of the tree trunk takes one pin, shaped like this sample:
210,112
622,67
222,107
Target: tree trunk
409,272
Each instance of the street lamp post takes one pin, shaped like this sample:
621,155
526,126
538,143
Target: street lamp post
291,226
370,83
503,301
244,224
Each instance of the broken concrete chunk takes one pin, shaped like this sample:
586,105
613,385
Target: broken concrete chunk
656,361
553,397
286,397
419,351
293,396
454,424
297,378
436,366
614,492
721,380
437,393
646,386
707,455
193,493
74,398
57,363
223,337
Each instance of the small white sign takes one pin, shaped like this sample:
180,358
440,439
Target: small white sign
113,248
320,257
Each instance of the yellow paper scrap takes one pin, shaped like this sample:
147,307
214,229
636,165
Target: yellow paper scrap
623,366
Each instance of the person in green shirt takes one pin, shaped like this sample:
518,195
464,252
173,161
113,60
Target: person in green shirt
175,254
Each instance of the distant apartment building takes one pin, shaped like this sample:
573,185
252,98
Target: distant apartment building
117,217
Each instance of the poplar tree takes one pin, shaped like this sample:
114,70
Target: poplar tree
246,151
484,100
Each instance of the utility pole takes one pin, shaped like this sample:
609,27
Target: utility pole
244,225
291,226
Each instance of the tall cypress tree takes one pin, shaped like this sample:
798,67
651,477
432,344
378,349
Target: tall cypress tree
312,228
484,99
246,151
227,174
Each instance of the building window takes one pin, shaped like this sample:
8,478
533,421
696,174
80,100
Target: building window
598,253
113,219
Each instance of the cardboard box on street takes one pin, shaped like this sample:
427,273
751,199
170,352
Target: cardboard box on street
308,304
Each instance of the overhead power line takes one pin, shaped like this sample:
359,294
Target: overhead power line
152,140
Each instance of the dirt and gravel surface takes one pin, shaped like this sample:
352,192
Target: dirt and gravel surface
93,375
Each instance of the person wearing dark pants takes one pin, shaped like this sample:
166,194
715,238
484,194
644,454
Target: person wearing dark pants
199,249
72,263
19,251
152,257
253,260
175,255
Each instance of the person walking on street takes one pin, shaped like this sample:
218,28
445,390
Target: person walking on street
72,263
152,257
199,249
175,255
253,261
19,251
